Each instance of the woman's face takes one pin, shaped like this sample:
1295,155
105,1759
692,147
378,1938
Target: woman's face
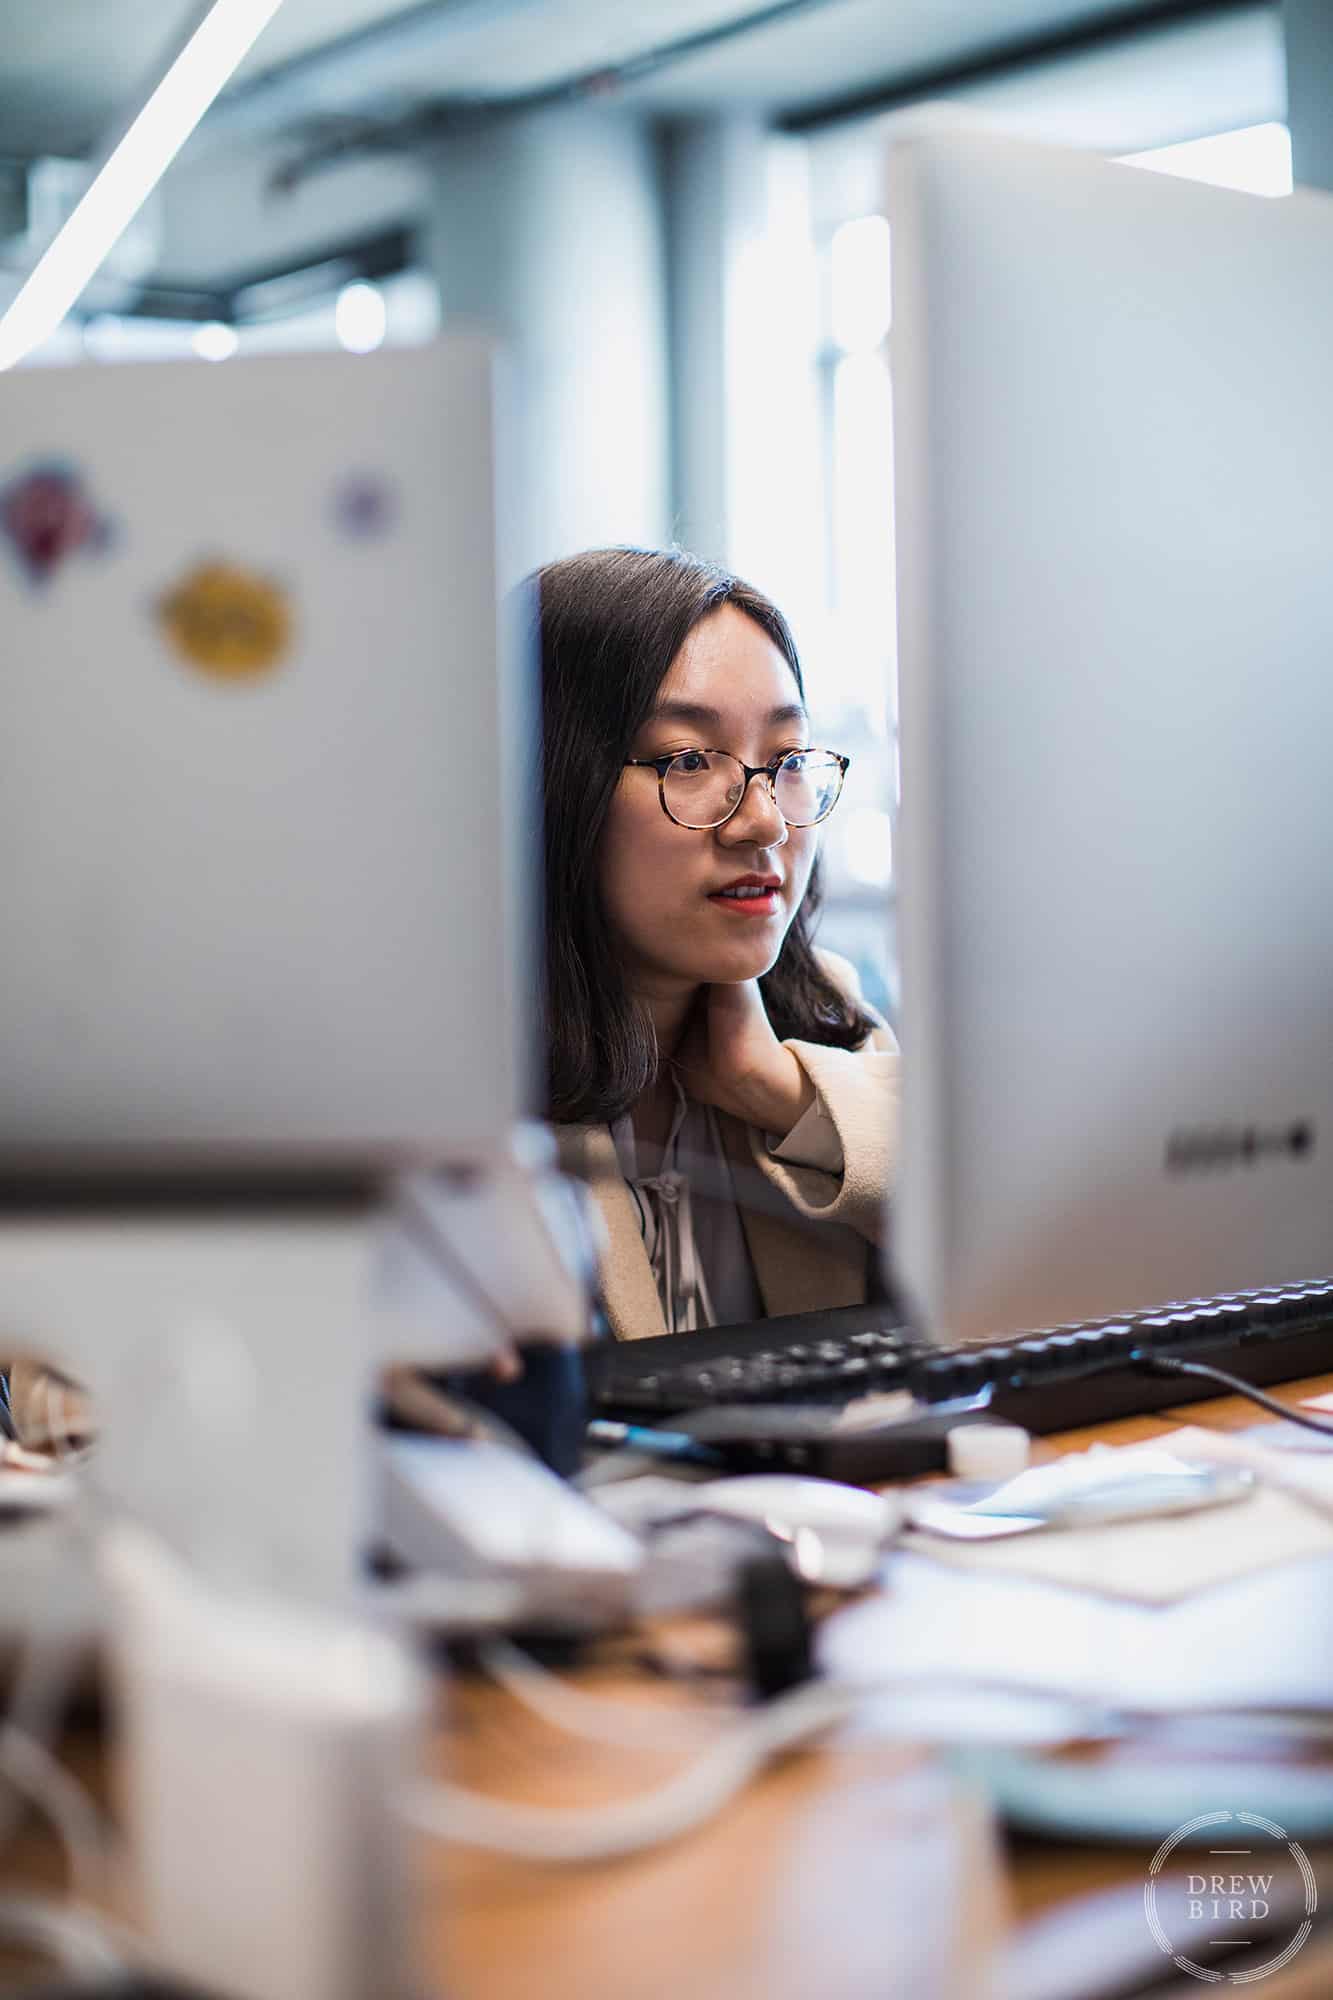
729,688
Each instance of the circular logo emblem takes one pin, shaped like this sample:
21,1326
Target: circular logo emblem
227,621
1242,1886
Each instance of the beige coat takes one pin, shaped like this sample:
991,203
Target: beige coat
810,1234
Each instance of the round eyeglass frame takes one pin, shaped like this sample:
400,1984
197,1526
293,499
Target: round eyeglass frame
769,772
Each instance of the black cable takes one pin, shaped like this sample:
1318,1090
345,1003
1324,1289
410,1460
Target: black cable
1168,1364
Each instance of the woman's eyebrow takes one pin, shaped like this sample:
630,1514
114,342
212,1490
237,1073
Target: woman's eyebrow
698,712
685,711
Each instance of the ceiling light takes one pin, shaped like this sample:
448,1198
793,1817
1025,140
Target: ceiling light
215,341
220,42
360,317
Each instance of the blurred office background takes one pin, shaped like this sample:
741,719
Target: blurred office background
674,210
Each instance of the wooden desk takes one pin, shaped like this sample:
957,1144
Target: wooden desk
840,1874
821,1881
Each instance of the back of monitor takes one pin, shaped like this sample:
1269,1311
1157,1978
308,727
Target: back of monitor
266,848
1114,477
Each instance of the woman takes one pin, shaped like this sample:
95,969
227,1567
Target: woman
718,1083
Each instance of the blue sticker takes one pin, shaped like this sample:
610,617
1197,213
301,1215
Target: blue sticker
365,506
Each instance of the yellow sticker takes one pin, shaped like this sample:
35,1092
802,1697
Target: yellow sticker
229,621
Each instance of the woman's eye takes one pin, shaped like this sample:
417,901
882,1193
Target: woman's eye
691,761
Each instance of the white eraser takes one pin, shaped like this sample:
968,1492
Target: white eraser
987,1451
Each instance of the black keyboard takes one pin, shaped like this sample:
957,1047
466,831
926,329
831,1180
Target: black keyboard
778,1390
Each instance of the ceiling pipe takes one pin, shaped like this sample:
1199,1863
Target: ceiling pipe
337,83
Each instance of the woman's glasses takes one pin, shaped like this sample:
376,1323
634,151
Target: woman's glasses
703,788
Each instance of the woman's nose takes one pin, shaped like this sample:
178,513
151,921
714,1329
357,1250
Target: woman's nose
756,821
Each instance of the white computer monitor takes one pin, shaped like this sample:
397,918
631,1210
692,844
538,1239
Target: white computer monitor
1113,406
269,847
267,829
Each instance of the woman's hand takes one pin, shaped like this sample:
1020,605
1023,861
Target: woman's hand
730,1057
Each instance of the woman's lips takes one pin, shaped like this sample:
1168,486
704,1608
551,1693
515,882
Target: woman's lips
765,905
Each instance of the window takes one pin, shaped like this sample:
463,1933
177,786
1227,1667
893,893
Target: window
858,672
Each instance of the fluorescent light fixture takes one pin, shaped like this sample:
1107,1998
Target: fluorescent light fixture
214,50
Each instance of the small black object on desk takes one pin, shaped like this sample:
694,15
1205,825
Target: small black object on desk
775,1626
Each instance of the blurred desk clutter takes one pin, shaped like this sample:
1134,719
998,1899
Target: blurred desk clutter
1049,1695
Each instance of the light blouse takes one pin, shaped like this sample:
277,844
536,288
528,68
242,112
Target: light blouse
689,1214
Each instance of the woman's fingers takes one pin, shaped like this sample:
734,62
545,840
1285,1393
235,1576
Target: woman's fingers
731,1058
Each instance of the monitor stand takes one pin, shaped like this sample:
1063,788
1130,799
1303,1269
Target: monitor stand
231,1352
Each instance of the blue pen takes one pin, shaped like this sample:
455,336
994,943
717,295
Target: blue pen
655,1444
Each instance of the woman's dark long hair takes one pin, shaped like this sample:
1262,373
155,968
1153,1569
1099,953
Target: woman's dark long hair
611,622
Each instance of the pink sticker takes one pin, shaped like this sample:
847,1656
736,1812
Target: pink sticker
47,516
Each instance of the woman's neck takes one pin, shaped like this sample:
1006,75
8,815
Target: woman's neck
668,1011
